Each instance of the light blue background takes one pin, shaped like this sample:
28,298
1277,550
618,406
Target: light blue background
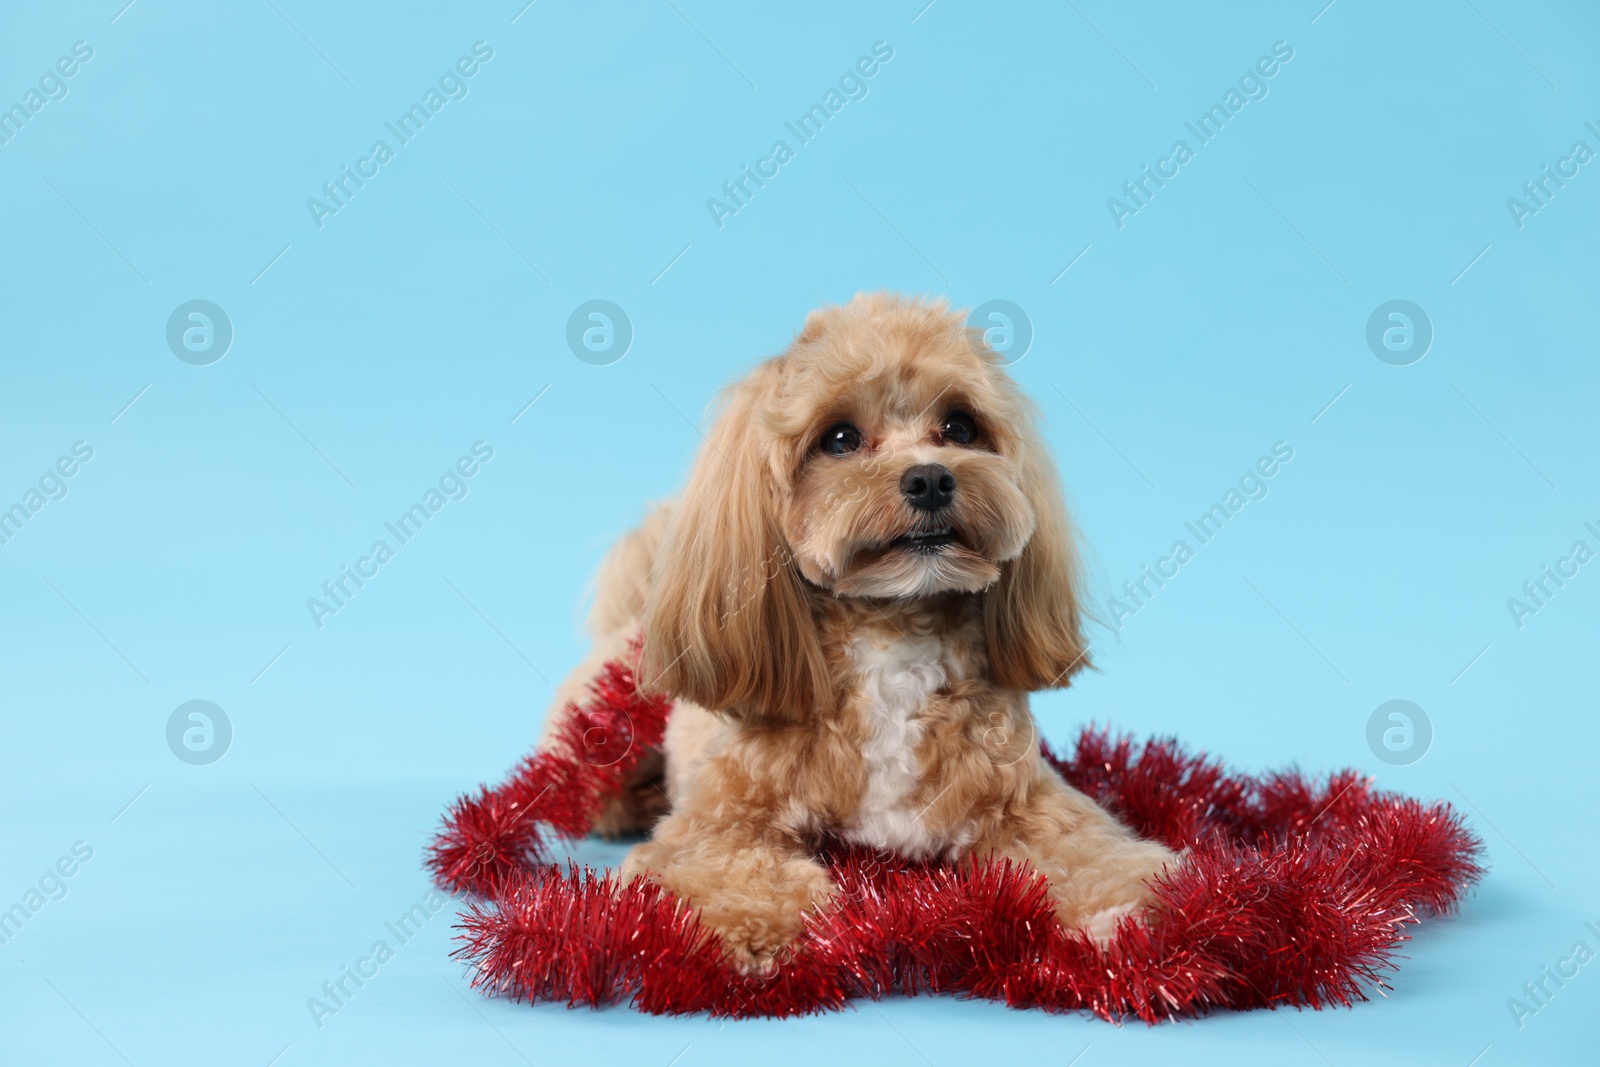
1223,317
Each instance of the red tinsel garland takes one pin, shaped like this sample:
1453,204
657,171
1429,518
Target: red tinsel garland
1288,894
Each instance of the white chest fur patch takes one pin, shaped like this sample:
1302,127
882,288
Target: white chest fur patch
895,680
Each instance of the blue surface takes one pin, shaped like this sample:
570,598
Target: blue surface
1229,312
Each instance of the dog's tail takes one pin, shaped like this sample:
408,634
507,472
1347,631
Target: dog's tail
620,587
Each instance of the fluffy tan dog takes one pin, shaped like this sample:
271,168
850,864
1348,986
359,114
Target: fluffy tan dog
870,569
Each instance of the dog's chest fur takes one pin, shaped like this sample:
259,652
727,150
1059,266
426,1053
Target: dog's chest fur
896,677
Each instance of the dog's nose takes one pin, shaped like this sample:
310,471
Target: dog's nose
928,486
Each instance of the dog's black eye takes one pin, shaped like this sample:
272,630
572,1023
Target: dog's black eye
841,439
959,429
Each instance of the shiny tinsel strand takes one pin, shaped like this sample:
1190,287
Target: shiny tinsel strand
1290,893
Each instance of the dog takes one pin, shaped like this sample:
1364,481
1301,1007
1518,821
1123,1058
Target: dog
870,569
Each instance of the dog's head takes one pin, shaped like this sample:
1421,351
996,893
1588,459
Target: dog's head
885,455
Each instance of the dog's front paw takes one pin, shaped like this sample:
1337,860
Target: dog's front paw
1123,891
752,945
753,898
1102,925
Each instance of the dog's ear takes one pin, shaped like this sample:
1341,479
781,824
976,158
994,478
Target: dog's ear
1033,621
728,624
